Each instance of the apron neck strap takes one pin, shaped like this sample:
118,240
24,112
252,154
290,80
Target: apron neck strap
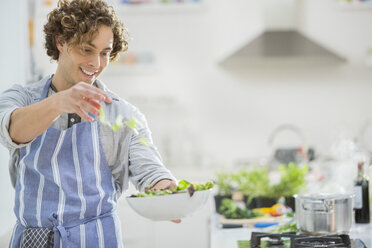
46,88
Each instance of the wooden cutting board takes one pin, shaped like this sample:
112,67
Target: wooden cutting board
263,219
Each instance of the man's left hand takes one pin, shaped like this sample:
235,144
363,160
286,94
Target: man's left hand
166,184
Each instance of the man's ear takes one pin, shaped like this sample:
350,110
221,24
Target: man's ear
59,44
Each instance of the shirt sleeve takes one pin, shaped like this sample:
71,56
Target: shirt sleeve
145,165
11,99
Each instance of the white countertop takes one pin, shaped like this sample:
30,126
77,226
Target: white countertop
228,237
363,232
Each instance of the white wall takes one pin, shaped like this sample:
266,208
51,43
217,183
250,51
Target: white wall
229,115
11,71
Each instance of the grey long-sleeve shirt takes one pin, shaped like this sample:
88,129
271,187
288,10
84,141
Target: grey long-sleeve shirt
127,157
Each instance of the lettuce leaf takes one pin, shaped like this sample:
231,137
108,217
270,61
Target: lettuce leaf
132,123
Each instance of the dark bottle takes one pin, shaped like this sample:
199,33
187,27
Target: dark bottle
361,199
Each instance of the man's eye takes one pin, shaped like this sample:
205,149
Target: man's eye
106,54
86,51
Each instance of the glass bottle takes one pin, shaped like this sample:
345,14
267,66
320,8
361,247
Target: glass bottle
361,199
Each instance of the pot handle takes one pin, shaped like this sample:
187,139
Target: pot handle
316,205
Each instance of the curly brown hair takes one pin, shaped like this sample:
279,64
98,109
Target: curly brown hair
76,22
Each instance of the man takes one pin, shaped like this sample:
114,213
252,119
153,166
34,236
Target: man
67,167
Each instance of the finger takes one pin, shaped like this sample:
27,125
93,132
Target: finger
88,106
88,91
176,221
108,99
90,94
94,93
95,104
83,115
172,185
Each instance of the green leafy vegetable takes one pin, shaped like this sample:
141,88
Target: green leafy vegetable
263,244
191,190
183,184
143,141
255,183
290,214
231,210
118,123
292,179
182,187
133,124
289,227
102,115
224,183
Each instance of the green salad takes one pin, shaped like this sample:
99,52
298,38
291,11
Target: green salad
182,187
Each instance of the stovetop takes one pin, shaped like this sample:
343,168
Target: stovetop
293,240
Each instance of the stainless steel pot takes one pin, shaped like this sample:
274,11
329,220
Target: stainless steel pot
324,213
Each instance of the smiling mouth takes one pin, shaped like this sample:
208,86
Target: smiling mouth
88,73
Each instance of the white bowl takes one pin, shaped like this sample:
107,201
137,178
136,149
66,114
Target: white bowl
169,207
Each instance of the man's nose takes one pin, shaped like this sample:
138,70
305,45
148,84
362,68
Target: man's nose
95,61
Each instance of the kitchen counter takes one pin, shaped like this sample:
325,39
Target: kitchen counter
363,232
228,237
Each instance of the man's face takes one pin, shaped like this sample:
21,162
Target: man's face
86,63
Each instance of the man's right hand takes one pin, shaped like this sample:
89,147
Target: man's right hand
81,99
28,122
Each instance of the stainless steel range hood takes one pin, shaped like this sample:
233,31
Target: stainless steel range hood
280,40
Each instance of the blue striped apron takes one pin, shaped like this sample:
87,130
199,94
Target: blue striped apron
65,183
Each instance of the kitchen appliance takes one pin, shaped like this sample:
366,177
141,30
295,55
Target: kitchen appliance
324,213
281,38
298,153
293,240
